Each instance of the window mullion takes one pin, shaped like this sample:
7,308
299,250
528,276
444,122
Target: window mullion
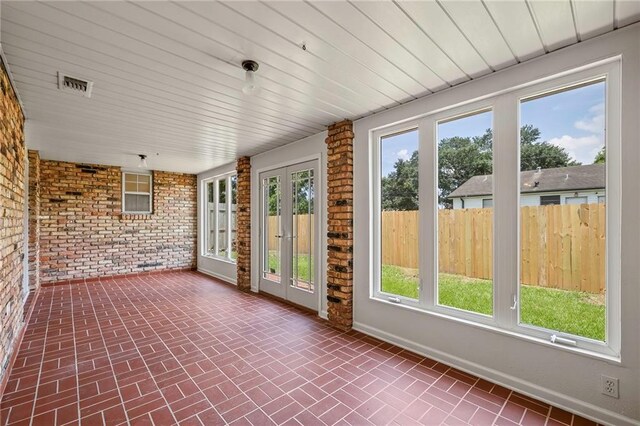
506,207
428,211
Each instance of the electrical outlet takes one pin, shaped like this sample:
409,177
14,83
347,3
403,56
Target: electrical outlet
610,386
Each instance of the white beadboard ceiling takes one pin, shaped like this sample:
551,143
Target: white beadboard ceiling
167,75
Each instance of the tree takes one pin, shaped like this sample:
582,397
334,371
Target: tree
459,159
400,188
600,157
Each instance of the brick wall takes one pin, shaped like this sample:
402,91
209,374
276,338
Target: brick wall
34,220
243,224
340,226
12,201
83,233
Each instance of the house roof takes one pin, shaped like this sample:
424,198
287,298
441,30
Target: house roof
571,178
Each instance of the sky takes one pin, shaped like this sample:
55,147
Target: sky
573,120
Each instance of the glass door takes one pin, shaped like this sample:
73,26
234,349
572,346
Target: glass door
288,234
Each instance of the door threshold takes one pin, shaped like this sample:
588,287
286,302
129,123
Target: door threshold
287,302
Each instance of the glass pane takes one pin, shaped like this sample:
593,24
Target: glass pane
302,224
399,216
234,196
130,186
562,245
272,229
131,177
210,218
465,213
144,186
144,179
222,217
136,203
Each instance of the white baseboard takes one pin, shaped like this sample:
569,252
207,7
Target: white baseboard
559,400
218,276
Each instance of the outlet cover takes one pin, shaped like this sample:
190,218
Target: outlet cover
610,386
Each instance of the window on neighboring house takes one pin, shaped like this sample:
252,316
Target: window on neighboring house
602,199
558,268
220,217
137,193
576,200
547,200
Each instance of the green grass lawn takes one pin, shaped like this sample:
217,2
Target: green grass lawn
573,312
303,265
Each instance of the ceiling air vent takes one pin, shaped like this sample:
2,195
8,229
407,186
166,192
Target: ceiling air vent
76,85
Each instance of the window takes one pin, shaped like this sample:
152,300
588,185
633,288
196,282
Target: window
602,198
399,203
576,200
460,231
136,193
563,248
465,236
220,217
547,200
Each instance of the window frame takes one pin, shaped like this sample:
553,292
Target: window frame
547,198
505,106
208,227
125,192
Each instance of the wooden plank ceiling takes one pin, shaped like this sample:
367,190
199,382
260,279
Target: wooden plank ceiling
167,75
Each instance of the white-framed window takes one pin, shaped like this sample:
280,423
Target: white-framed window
137,192
219,211
441,260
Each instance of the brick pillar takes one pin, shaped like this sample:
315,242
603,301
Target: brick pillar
340,226
243,223
34,220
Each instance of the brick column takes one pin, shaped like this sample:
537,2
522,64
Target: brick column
243,223
34,220
340,226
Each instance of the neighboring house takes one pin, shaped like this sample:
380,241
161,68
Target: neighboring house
563,185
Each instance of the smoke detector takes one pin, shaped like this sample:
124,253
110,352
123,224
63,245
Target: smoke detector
76,85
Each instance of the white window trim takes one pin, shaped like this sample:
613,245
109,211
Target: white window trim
125,192
506,197
207,226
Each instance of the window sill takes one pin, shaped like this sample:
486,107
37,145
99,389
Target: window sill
601,356
135,216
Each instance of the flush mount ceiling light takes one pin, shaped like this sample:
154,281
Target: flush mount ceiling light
250,87
143,161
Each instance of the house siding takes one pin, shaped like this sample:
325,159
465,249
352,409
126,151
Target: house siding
529,199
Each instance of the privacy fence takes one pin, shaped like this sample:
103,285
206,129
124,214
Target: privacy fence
562,246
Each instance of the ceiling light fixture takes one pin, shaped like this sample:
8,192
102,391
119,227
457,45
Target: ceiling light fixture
143,161
250,86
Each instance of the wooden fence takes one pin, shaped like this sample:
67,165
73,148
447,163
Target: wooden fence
304,232
562,246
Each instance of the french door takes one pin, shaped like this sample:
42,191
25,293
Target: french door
288,237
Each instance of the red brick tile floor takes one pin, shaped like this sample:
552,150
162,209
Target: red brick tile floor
181,348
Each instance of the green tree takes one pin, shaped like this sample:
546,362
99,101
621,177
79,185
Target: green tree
601,157
459,159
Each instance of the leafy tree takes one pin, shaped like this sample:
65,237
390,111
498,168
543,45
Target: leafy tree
459,159
600,157
400,188
304,194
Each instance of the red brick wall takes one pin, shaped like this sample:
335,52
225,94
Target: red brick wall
34,220
243,224
12,201
340,227
83,233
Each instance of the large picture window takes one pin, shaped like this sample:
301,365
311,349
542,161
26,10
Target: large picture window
220,217
510,216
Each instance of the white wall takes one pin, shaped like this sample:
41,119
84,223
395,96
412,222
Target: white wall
222,269
306,149
560,376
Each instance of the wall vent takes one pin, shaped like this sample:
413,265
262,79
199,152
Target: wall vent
76,85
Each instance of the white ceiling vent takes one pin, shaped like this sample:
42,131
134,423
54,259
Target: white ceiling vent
76,85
